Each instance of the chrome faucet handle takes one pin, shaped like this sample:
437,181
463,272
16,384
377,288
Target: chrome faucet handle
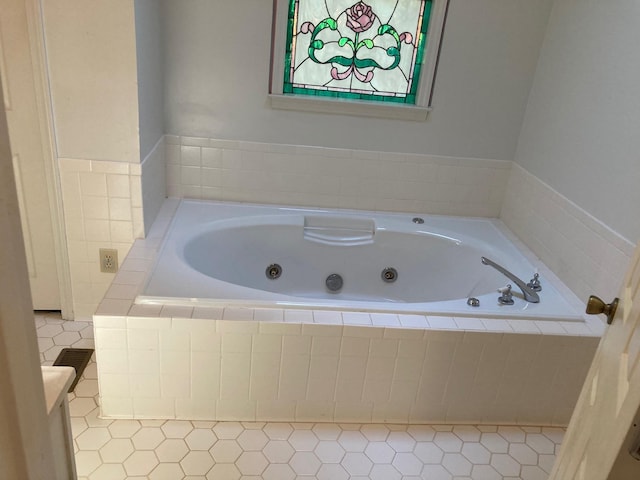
529,295
507,297
534,283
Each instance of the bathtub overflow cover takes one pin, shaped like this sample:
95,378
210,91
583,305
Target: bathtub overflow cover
273,271
334,282
389,275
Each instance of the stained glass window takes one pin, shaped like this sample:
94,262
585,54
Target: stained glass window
367,51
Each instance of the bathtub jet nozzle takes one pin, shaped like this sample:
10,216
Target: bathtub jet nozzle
529,295
273,271
389,275
334,283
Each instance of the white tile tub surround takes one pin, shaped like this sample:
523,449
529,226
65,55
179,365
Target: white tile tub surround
107,205
303,365
328,177
187,368
585,254
103,209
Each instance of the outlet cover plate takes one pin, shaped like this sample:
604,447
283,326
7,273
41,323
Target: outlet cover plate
108,260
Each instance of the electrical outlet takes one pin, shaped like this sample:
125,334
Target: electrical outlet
108,260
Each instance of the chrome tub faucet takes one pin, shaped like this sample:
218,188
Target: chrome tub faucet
529,294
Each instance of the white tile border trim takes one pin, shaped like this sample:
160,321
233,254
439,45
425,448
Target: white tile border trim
588,256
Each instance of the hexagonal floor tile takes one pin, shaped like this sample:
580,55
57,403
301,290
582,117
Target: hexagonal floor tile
78,425
166,471
435,472
252,440
44,344
305,463
278,431
456,464
422,433
86,388
384,472
448,442
66,338
91,371
79,407
93,439
93,420
546,462
512,434
49,330
401,441
555,434
76,326
407,463
171,450
327,431
278,472
228,430
196,463
523,454
330,471
176,428
353,441
108,471
87,462
379,452
476,453
278,451
485,472
225,451
357,463
375,433
494,442
505,465
303,440
147,438
228,471
540,443
329,452
124,428
533,472
116,450
251,463
428,453
140,463
467,433
200,439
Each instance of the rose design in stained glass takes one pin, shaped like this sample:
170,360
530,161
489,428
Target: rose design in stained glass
369,51
360,17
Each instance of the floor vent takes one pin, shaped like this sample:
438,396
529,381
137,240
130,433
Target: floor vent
77,358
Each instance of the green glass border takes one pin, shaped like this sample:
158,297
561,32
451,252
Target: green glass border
290,89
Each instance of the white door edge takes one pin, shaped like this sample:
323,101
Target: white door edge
49,149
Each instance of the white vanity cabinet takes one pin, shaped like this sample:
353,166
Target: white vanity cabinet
56,384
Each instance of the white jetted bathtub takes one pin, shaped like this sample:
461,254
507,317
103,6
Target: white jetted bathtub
292,314
217,253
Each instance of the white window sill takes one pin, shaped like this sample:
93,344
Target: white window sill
345,107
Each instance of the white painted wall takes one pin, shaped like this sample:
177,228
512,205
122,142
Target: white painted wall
581,129
217,74
92,71
150,74
150,59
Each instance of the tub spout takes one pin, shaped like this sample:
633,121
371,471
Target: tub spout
529,295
